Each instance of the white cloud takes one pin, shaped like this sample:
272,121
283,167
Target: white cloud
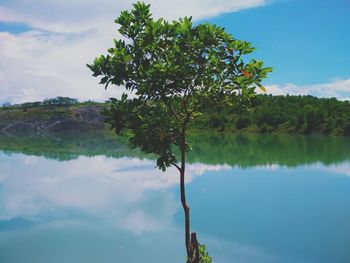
50,60
7,16
63,16
113,189
200,9
339,89
342,169
37,65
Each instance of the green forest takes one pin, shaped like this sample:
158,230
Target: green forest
264,114
281,114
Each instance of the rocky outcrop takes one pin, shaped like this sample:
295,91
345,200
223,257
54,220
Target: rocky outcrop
88,114
77,119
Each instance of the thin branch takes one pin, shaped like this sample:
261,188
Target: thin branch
175,114
188,115
178,167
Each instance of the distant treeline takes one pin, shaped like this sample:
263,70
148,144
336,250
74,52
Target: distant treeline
283,114
57,102
265,114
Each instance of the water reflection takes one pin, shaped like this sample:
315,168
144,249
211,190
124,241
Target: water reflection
289,215
243,150
279,207
88,185
92,200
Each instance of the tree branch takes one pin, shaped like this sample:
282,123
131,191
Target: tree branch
178,167
174,112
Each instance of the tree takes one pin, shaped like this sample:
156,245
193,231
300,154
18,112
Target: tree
173,70
6,104
60,101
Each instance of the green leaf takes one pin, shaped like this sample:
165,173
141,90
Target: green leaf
104,80
178,72
124,97
261,87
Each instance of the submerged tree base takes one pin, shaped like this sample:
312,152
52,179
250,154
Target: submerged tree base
200,254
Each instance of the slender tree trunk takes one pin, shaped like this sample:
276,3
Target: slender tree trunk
191,242
183,199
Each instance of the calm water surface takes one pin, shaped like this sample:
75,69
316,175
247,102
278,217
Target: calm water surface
253,198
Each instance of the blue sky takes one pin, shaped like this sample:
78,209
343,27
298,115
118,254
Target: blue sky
306,41
14,28
44,45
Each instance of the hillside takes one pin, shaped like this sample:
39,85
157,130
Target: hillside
265,114
281,114
40,119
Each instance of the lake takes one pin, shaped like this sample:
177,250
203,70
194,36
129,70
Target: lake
253,198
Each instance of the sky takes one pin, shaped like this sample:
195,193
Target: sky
45,44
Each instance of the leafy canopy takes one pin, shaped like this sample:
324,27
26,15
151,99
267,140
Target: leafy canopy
175,70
